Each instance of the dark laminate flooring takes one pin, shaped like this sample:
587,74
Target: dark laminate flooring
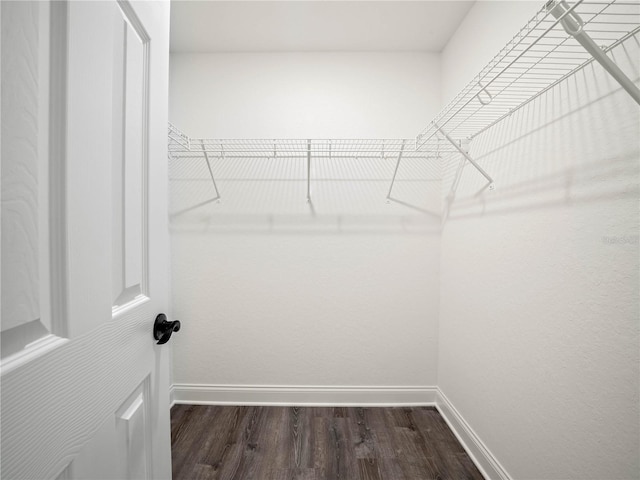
286,443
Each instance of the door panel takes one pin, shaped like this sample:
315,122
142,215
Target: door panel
130,134
84,240
24,177
132,435
90,62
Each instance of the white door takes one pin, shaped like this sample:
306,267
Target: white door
85,387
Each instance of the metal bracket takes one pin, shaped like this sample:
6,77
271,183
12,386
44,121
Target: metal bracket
206,157
484,90
308,171
573,25
395,172
466,155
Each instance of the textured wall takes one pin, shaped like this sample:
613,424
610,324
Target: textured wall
539,306
486,29
304,95
273,291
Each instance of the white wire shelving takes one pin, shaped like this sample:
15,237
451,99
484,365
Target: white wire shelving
181,146
557,42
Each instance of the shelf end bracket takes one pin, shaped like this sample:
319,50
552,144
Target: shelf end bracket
308,171
206,157
395,172
466,156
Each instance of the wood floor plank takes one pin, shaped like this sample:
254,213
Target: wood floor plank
304,443
360,430
228,467
414,461
220,437
299,445
324,462
186,446
177,414
203,472
390,468
248,465
382,438
347,444
368,469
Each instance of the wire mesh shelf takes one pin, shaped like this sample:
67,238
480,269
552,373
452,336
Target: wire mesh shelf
538,57
181,146
557,42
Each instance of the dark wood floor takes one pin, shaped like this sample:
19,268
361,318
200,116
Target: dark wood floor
286,443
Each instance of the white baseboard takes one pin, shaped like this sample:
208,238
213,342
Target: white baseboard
486,462
302,395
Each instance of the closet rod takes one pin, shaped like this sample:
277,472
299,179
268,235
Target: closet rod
466,155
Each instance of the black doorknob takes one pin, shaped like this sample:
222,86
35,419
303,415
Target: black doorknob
163,328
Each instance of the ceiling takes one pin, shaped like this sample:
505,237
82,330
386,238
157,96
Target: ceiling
281,26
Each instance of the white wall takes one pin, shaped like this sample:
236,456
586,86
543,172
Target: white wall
304,95
485,30
273,291
538,340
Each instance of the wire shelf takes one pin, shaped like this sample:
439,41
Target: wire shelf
181,146
557,42
538,57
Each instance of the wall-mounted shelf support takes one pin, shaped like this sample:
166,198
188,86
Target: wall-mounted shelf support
206,157
395,172
308,171
573,25
465,155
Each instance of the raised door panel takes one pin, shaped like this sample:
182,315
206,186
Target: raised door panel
26,319
133,435
20,165
28,323
91,39
107,162
120,449
130,162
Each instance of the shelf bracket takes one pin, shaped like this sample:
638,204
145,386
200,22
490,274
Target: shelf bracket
308,171
206,157
573,25
395,172
465,155
484,90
